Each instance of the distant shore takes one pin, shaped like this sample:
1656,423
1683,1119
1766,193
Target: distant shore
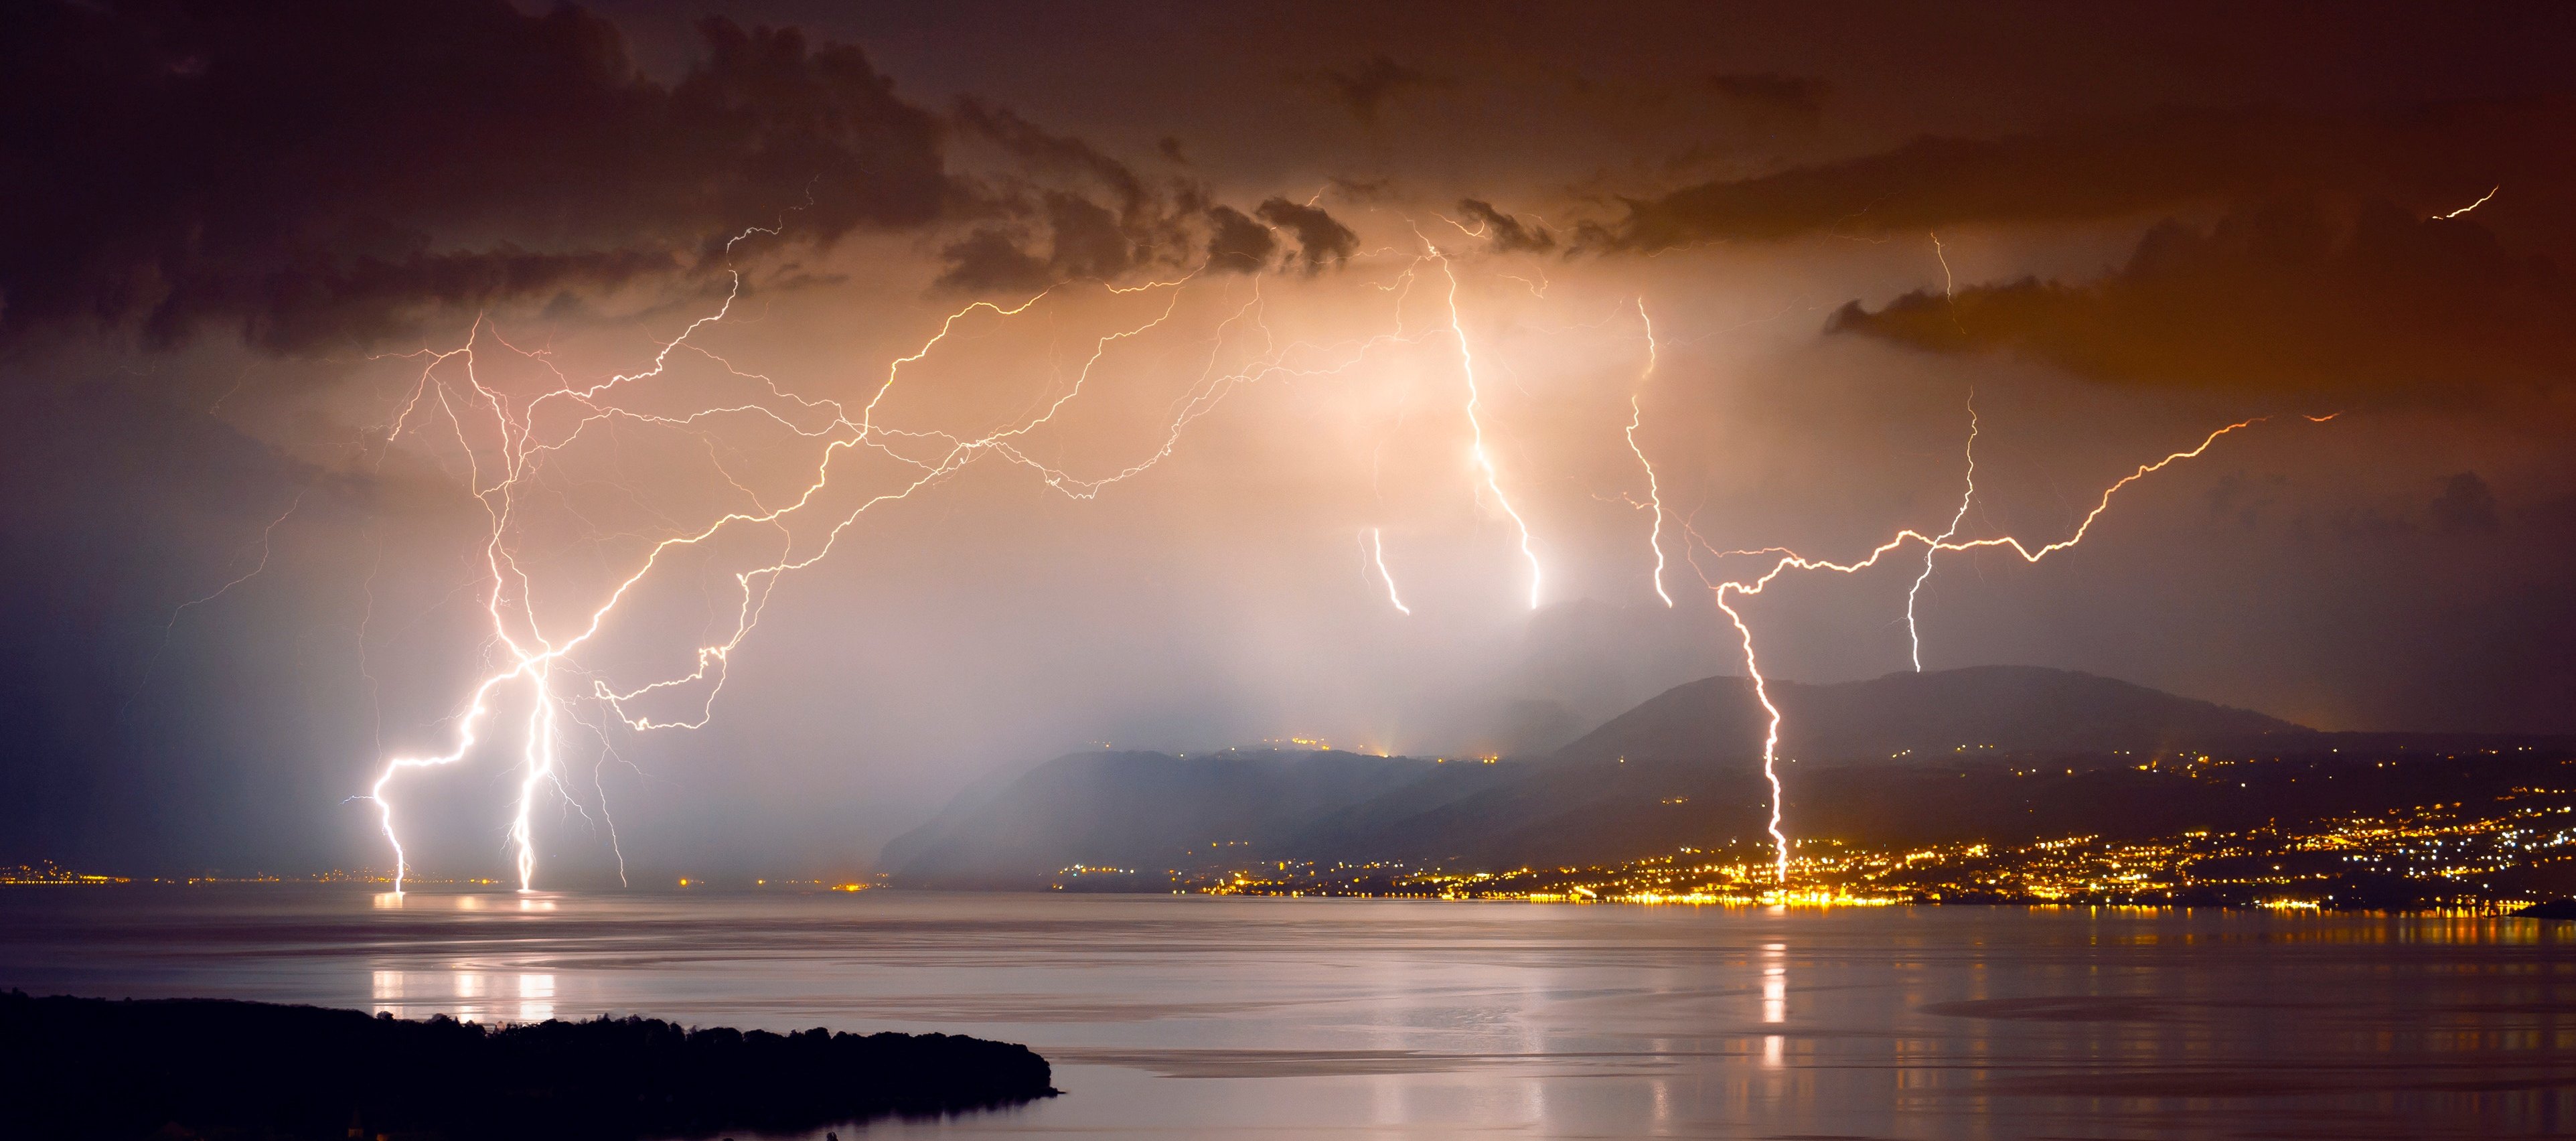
197,1068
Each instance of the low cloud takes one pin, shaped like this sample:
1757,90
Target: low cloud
1503,232
2440,154
2287,297
1321,240
1238,244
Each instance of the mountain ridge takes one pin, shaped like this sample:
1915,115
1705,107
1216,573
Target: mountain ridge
1680,768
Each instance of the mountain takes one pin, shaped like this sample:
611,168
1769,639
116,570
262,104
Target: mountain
1681,769
1991,709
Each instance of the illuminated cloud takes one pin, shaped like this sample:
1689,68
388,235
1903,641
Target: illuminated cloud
1237,244
1321,240
1505,233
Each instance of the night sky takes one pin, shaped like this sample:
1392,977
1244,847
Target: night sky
284,290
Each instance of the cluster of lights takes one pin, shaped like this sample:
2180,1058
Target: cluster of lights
2439,853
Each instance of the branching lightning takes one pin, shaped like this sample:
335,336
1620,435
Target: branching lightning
537,663
506,440
1785,560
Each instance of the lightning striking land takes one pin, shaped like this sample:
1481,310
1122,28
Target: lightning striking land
1785,560
505,440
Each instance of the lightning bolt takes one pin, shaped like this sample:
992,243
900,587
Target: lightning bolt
531,657
267,543
1476,427
1377,551
1654,493
1913,634
1785,560
507,436
2482,200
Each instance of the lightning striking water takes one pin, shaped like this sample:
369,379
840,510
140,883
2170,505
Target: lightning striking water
505,440
531,654
1654,491
1913,634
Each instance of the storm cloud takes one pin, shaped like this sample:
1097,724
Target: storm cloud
313,171
2423,155
2286,297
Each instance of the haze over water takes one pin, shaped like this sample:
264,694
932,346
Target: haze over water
1193,1016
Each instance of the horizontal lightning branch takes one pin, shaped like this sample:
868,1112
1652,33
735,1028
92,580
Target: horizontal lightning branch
1727,591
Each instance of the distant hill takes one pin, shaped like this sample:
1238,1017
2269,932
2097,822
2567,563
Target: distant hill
1681,769
2004,709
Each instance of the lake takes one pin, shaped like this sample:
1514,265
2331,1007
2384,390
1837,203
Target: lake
1192,1016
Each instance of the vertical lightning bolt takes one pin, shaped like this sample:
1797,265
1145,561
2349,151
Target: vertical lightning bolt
1913,635
1654,493
1377,551
1476,426
1770,730
505,437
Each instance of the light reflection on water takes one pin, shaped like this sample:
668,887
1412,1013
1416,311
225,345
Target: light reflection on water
474,996
1193,1017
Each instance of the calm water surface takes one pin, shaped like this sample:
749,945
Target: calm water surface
1198,1017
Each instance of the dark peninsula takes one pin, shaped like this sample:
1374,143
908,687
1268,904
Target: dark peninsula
93,1068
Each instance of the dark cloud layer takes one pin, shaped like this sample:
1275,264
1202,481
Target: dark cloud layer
314,174
1236,243
2289,297
1321,241
2423,155
311,170
1505,233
